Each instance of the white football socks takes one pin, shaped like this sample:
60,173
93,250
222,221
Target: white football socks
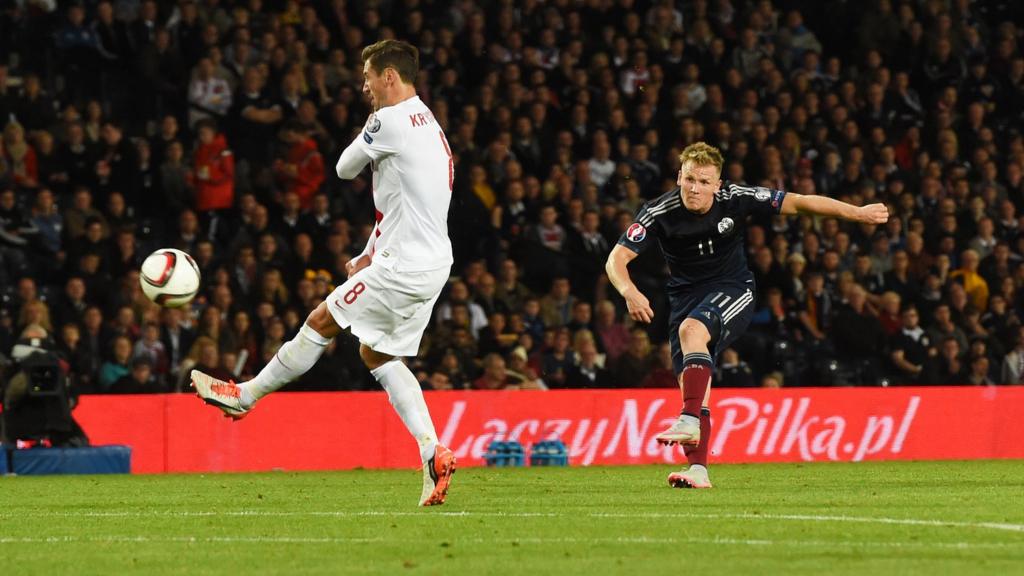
407,397
299,354
294,359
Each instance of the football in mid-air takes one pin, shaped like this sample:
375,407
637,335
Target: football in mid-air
169,277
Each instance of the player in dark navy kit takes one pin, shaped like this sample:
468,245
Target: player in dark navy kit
699,227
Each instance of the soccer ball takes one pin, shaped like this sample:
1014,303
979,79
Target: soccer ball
169,277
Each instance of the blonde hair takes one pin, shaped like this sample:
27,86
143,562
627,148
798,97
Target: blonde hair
702,154
41,319
580,337
197,348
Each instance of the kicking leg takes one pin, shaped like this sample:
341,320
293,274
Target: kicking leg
718,320
294,359
694,383
406,396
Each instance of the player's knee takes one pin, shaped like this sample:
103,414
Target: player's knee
371,358
320,319
693,334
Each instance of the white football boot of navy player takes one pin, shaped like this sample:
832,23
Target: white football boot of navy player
695,476
685,430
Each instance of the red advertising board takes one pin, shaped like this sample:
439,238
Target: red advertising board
341,430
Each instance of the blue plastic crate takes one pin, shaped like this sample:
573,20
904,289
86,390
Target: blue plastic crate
549,453
89,460
503,453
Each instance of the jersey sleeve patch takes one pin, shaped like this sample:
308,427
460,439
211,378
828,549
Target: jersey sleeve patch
757,199
777,197
636,232
641,233
381,135
373,124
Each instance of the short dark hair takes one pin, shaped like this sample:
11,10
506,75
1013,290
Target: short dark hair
293,125
206,123
397,54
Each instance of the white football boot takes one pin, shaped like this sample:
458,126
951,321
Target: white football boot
685,430
437,476
695,476
223,395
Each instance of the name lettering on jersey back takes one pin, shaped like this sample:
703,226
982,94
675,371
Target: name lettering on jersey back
421,119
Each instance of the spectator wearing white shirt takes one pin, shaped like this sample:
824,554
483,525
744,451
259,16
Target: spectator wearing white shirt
459,294
602,167
636,76
1013,363
208,95
984,243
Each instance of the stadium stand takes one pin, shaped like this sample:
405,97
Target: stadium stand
211,126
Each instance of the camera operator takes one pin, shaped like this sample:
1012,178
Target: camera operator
36,400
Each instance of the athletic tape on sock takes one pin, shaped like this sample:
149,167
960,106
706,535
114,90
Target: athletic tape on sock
384,368
310,334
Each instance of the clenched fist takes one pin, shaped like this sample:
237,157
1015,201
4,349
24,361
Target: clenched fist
873,214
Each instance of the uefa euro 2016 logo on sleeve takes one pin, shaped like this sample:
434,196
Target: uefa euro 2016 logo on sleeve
373,125
636,232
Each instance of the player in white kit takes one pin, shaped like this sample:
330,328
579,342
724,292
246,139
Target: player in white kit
393,285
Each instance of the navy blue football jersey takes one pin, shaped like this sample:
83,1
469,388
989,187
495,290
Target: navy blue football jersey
702,248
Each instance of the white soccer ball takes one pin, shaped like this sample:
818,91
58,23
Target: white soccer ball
169,277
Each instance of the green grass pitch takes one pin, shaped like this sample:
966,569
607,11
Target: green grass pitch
925,518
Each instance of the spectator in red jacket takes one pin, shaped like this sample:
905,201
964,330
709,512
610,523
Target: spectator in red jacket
302,169
20,157
213,170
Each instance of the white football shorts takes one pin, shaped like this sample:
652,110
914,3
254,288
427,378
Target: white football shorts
388,310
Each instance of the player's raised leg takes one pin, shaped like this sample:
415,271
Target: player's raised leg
694,382
292,360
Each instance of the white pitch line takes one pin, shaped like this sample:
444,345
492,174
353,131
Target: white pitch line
121,539
1002,526
185,539
816,518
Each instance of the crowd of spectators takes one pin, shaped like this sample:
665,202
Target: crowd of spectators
211,126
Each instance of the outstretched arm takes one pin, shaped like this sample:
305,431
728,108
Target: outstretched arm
637,304
825,206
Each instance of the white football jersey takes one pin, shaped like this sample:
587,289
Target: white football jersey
413,176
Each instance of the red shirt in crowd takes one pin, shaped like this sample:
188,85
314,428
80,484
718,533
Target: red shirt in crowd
308,171
214,175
